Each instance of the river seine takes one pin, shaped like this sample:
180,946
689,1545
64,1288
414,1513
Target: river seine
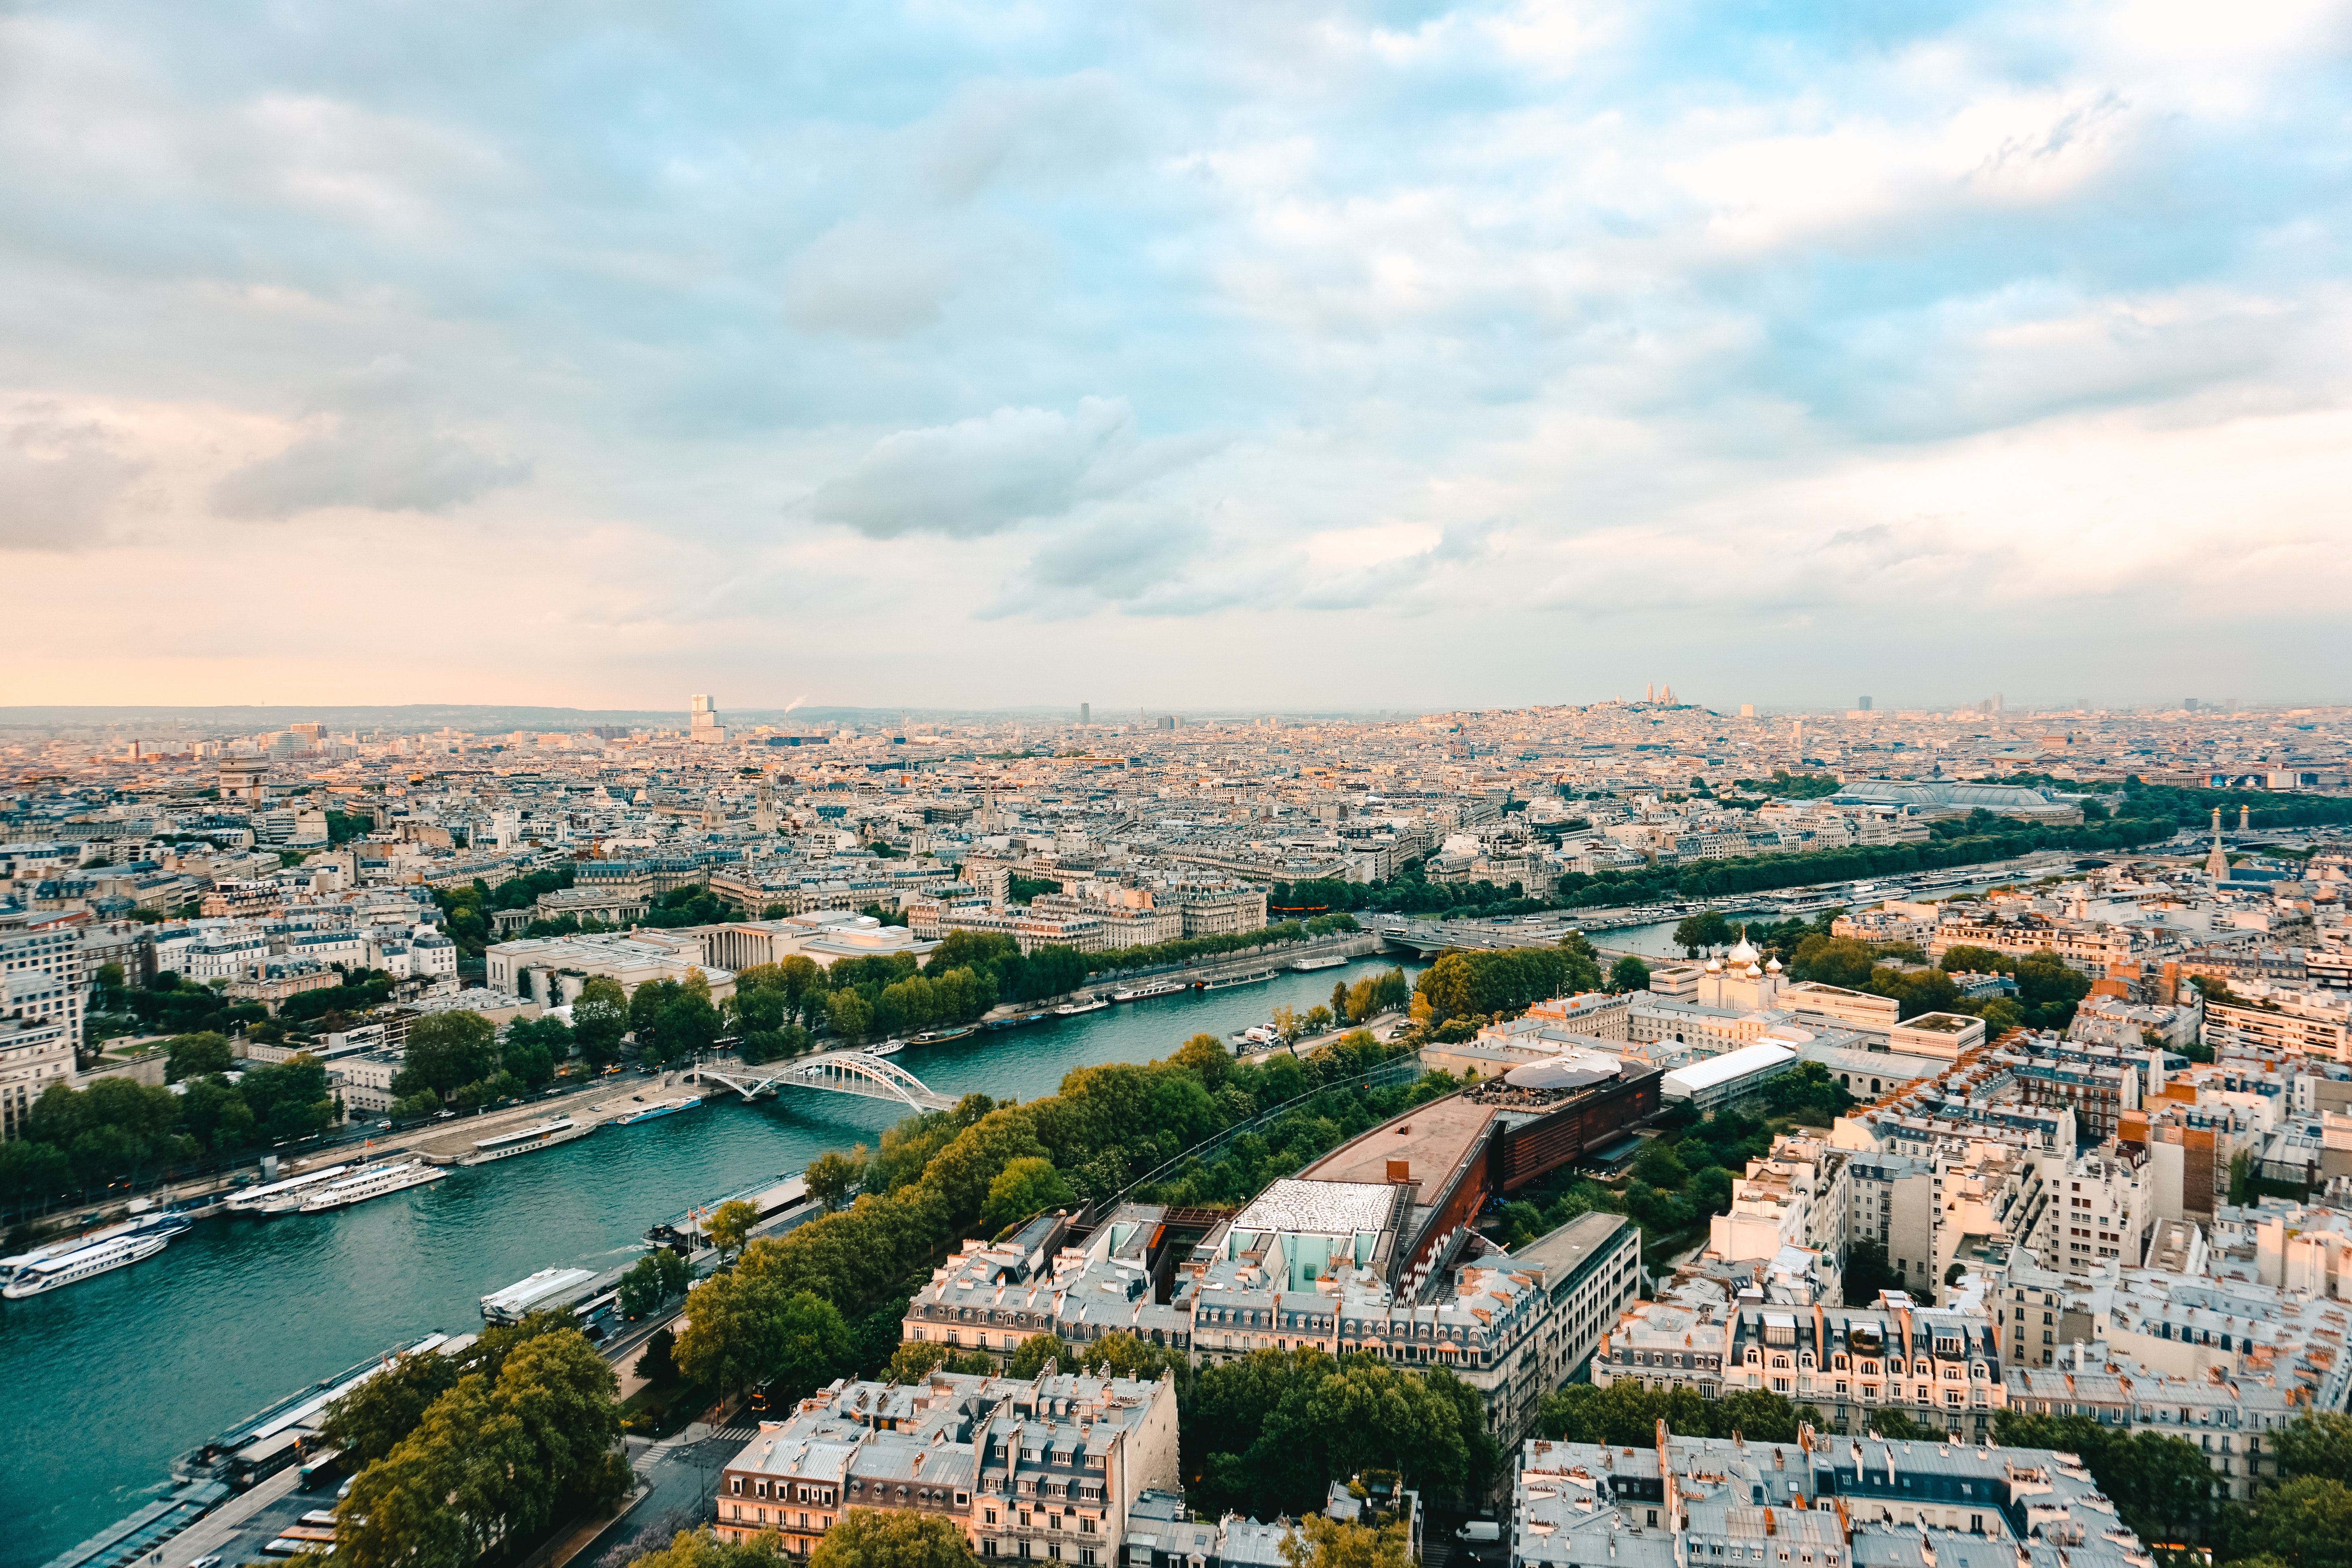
105,1381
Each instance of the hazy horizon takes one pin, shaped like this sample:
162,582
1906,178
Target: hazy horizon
1265,357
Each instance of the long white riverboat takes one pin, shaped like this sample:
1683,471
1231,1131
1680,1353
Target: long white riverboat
163,1222
84,1263
1147,990
538,1135
379,1180
282,1197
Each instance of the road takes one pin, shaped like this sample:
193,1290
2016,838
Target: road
681,1475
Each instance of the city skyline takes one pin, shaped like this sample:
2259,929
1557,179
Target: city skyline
1487,354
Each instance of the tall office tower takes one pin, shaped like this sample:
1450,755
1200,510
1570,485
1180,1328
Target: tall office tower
702,726
1086,713
1864,705
763,813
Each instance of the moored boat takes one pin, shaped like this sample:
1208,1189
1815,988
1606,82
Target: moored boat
544,1134
659,1107
84,1263
377,1181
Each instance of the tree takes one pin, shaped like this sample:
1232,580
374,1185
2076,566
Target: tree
447,1050
729,1224
600,1017
193,1056
703,1549
830,1177
1696,933
651,1281
1965,959
849,1014
1629,974
918,1359
1024,1187
1030,1357
2318,1443
893,1538
494,1455
658,1364
1319,1541
533,1046
2306,1524
1206,1058
1867,1274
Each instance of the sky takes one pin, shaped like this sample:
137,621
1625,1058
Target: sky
1206,354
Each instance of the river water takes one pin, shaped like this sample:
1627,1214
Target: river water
105,1381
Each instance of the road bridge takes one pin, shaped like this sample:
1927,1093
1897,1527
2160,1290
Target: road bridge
860,1073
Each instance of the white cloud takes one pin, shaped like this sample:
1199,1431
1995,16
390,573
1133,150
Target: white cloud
62,476
1146,323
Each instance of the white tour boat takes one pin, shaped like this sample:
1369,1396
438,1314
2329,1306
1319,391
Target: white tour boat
538,1135
380,1181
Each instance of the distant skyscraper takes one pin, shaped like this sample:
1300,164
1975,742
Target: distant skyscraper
1086,713
1167,721
764,814
1865,704
702,726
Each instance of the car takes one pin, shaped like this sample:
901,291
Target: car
384,1126
443,1115
210,1560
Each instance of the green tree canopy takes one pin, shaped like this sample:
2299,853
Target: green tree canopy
1319,1541
893,1538
1696,932
192,1056
447,1050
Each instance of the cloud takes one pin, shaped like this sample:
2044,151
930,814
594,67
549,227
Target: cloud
369,443
1504,315
61,477
977,476
384,465
874,277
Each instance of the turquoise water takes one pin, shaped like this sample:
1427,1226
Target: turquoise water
107,1381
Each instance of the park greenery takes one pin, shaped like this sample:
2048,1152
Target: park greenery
165,1006
82,1141
1977,840
865,1538
1265,1433
456,1455
828,1296
659,1276
456,1058
1409,892
778,1007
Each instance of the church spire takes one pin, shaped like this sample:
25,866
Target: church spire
2217,865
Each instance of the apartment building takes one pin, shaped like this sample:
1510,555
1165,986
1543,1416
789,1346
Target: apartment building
1047,1469
1941,1366
41,977
2313,1023
1819,1502
35,1053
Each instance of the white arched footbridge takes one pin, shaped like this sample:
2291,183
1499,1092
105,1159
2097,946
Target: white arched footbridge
836,1072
